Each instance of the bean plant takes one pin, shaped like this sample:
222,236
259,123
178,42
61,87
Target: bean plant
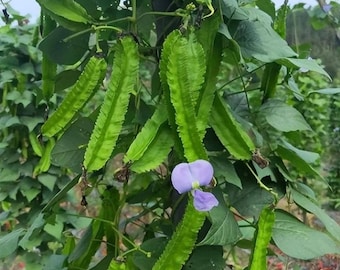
169,125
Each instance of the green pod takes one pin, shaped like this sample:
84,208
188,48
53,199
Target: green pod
146,136
45,160
112,112
163,68
35,143
180,246
48,68
263,236
77,97
229,131
269,80
156,152
185,76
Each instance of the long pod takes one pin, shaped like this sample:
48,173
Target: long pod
112,112
263,236
146,136
182,242
184,71
185,76
48,68
76,98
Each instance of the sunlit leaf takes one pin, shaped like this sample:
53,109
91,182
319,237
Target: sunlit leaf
332,227
283,117
261,42
68,9
300,241
307,64
326,91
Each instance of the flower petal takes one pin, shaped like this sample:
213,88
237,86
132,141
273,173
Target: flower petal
188,176
204,201
327,8
201,171
181,178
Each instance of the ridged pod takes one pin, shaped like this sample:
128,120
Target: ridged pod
182,242
146,136
182,70
76,98
184,73
45,160
156,152
112,112
263,236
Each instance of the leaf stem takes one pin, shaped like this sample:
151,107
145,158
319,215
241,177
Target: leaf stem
275,195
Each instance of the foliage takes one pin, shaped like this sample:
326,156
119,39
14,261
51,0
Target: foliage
186,81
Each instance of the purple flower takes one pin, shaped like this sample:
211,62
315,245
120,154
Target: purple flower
192,176
204,201
326,8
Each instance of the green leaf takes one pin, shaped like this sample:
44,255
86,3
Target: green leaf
31,193
55,262
231,10
36,226
282,116
48,180
309,157
261,42
311,206
224,229
66,79
9,242
296,161
267,6
299,241
206,257
9,174
56,199
67,9
251,199
229,131
69,150
31,122
223,168
307,64
69,52
325,91
55,229
281,20
87,246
